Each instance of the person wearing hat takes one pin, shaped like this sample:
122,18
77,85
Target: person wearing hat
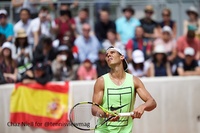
23,50
193,23
40,73
117,89
168,42
167,21
160,66
8,66
62,65
126,25
148,24
138,67
188,66
5,27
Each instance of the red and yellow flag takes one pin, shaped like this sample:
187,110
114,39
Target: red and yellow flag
43,106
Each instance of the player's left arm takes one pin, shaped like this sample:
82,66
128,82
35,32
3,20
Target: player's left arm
149,104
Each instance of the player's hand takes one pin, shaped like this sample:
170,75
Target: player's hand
138,112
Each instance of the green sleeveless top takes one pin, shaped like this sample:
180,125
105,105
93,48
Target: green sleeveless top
121,99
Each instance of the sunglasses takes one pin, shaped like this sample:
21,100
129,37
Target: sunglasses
166,15
149,12
2,16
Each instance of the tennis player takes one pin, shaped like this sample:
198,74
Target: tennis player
116,91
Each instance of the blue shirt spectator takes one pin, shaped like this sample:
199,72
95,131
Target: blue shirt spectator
5,28
88,45
126,25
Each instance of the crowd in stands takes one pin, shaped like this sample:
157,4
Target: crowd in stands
39,48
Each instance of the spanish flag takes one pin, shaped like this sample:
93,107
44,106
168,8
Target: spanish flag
43,106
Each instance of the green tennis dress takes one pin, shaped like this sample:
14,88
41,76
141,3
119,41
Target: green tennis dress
120,99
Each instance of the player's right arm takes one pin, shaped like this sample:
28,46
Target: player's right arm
98,96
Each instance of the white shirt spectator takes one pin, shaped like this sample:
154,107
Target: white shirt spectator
139,72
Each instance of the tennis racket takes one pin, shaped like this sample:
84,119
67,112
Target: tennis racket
85,115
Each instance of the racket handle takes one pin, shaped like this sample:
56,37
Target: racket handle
125,114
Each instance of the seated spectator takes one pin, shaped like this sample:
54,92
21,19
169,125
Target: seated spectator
44,52
148,24
188,66
88,45
168,42
83,17
138,42
41,26
103,25
24,23
138,67
62,66
86,71
101,65
23,50
63,23
167,21
188,40
159,66
126,25
112,41
193,23
8,66
5,27
41,74
2,40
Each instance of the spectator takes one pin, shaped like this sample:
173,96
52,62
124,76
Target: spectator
88,45
188,66
101,65
159,66
103,25
86,71
5,27
148,24
63,23
166,21
168,42
193,23
126,25
188,40
41,74
83,17
44,52
112,41
138,42
8,66
28,4
62,66
138,67
41,26
24,23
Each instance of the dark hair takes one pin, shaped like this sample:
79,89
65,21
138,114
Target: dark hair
141,65
25,43
11,60
85,10
164,60
105,10
191,34
46,40
25,9
44,8
2,39
112,31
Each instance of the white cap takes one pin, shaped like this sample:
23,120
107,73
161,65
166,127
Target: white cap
189,51
159,49
192,9
138,56
7,45
3,11
125,64
167,29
